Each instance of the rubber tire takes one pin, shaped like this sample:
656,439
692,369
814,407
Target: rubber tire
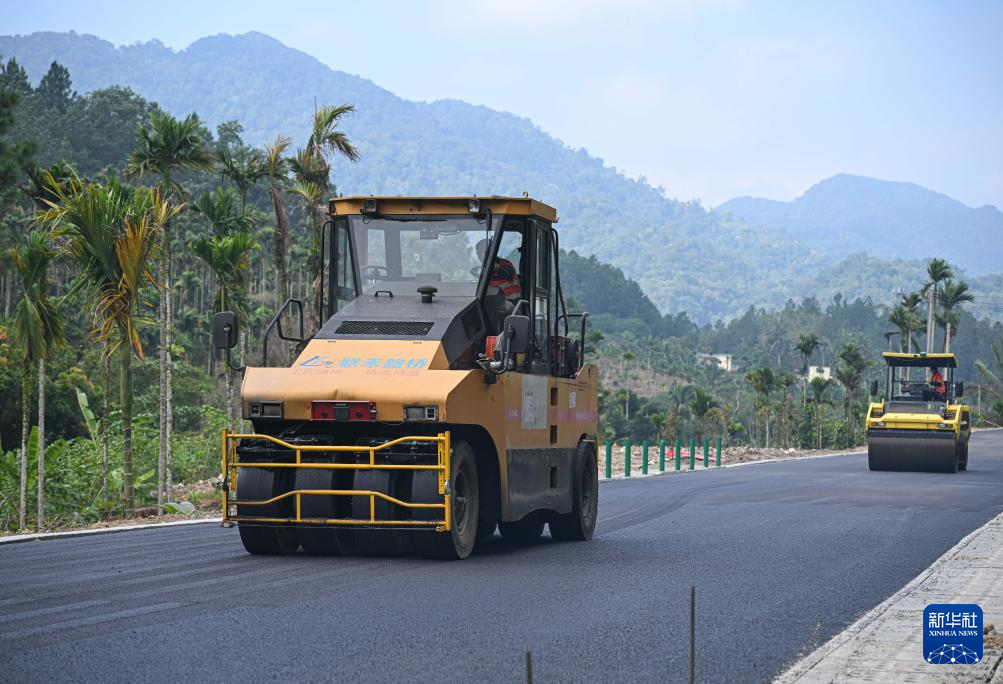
319,540
373,541
523,532
265,540
459,542
580,523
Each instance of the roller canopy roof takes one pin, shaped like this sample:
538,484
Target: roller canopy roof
920,360
512,206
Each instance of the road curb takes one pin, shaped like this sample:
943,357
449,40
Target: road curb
45,536
813,668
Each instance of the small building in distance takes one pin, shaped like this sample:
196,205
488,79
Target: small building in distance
722,361
824,372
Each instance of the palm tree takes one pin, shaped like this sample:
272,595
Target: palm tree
819,386
806,346
166,148
326,140
701,404
678,397
221,212
114,234
244,169
850,374
229,258
38,329
312,167
952,295
937,271
277,167
312,196
764,382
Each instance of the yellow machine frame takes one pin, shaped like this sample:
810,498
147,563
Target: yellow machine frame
231,464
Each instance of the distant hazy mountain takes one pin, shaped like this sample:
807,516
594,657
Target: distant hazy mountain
685,257
846,214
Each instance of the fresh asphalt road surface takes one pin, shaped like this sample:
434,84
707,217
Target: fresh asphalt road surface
783,555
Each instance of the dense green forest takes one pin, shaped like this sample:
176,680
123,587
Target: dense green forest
686,257
104,197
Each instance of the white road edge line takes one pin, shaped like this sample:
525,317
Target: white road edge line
43,536
804,665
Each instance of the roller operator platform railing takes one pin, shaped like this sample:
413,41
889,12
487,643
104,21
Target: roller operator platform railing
231,464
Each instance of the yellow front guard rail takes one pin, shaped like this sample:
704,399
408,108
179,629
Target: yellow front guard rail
231,464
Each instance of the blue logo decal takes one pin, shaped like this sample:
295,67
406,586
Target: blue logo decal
324,360
952,633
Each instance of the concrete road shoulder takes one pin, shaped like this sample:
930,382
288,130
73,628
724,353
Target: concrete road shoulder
886,643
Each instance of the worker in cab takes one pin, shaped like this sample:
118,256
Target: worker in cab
504,276
937,384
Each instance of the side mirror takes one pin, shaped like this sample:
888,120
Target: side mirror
224,330
874,388
517,331
959,389
296,305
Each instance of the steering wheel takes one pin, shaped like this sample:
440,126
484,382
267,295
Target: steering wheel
373,271
476,271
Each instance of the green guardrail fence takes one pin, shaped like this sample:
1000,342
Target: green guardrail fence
677,454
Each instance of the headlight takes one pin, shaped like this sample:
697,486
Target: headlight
421,414
881,423
264,409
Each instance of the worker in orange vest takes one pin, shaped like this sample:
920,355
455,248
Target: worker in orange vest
504,275
937,383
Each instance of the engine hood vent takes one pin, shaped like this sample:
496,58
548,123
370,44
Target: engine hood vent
387,328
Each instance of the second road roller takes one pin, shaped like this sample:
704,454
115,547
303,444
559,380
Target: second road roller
919,423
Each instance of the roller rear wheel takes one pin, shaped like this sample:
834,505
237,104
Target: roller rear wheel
464,501
257,484
580,523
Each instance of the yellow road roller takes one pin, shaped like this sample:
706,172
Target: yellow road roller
919,423
445,394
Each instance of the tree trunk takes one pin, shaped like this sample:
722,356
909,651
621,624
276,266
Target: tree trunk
947,337
909,350
22,517
105,439
161,399
125,389
169,397
931,298
40,522
8,287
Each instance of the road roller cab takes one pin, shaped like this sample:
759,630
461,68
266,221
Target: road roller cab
919,422
445,393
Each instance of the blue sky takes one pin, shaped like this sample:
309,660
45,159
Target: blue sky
709,99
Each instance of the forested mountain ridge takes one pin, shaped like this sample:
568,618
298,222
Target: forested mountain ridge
685,257
846,213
